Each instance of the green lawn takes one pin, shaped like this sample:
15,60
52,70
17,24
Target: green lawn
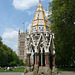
66,69
15,70
22,70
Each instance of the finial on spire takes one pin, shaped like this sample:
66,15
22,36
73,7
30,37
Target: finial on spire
19,31
23,27
39,1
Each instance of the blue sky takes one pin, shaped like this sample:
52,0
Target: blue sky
13,13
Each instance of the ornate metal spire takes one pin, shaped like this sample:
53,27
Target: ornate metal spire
40,21
39,1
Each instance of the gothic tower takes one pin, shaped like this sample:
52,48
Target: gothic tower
22,45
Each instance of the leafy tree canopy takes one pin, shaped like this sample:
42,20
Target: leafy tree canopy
7,56
62,22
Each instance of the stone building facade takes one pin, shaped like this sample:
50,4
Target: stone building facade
22,50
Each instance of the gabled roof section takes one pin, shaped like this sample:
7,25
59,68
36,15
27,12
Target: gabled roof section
40,21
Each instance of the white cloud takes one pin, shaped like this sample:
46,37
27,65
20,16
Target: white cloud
47,12
10,35
29,27
10,38
15,47
30,12
24,4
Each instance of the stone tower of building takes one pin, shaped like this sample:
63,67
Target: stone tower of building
22,45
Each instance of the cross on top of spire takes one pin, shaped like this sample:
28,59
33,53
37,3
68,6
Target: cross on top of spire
39,1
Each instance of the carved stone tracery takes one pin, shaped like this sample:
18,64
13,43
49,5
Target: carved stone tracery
40,41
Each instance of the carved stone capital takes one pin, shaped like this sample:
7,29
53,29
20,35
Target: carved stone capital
47,53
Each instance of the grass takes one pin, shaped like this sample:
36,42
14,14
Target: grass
22,69
66,69
15,70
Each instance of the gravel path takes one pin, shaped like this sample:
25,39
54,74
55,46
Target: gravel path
10,73
30,73
68,73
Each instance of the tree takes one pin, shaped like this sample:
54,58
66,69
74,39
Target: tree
0,41
7,56
62,22
25,62
21,62
13,63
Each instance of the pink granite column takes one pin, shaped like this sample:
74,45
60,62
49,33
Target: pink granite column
28,60
47,60
53,60
36,60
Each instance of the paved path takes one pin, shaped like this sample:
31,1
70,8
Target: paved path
68,73
21,73
11,73
30,73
